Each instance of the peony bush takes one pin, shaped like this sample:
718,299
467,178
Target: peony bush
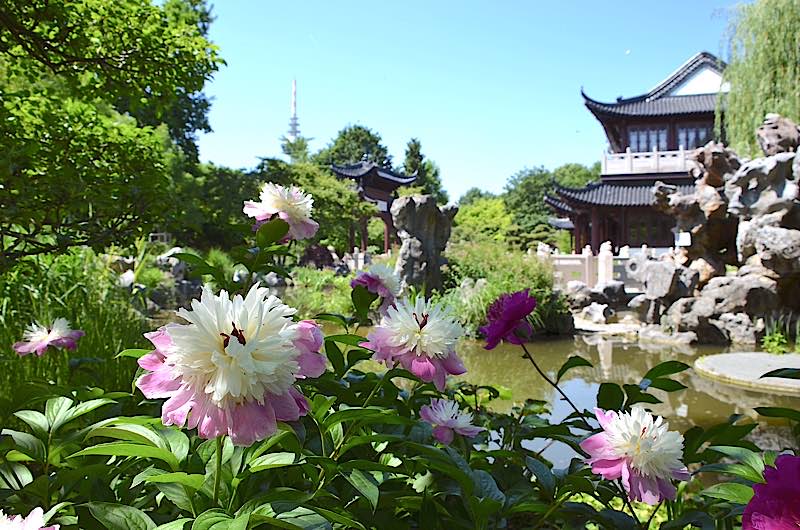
241,416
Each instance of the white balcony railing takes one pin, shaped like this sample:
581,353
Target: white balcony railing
629,163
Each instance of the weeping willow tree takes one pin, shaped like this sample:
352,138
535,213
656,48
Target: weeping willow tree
764,69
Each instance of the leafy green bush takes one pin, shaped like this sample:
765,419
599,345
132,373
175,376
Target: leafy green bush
504,271
775,342
81,288
318,291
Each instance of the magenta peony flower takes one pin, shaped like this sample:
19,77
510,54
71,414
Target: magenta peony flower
639,449
290,204
774,505
507,319
231,370
309,343
34,521
422,337
381,280
38,338
446,419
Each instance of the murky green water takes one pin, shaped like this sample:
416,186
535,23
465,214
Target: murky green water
703,403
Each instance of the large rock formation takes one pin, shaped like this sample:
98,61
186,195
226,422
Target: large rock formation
744,213
424,229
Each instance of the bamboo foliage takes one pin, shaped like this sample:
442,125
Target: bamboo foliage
764,69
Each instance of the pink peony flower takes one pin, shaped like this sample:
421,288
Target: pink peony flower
446,419
38,338
290,204
774,505
231,369
422,337
639,449
309,343
34,521
381,280
507,319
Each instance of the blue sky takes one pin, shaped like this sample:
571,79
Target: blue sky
488,87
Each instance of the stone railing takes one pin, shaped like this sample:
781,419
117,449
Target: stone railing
593,269
648,162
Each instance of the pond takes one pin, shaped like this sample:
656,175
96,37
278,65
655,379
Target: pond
616,360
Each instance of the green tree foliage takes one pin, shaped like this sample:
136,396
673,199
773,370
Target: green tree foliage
336,204
576,175
297,149
473,194
524,199
482,219
764,69
353,144
428,181
209,210
185,111
74,170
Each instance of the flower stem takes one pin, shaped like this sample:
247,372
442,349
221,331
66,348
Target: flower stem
627,502
552,383
652,515
218,471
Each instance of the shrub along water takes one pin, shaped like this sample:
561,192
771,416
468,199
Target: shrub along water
504,271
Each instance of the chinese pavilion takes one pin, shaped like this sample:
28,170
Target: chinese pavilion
650,138
376,185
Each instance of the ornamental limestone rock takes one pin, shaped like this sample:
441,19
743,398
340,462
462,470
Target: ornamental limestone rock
424,229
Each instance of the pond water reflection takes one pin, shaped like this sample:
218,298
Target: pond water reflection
703,403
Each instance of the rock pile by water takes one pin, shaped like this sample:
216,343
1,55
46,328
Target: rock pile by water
743,213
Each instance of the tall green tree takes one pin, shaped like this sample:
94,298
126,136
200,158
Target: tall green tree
576,175
763,71
185,111
296,150
474,194
482,219
353,144
74,169
429,180
524,199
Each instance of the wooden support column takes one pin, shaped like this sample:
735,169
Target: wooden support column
597,234
386,236
364,234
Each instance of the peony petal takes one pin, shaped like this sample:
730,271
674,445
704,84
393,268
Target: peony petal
159,383
443,434
251,422
284,405
453,364
311,364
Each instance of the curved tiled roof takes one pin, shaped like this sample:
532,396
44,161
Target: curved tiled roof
557,204
665,106
657,102
360,169
614,194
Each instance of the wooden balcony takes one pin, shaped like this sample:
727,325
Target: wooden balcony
630,163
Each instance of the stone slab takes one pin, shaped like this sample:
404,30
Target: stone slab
614,328
745,370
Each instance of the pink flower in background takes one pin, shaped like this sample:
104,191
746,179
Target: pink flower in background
639,449
774,505
422,337
381,280
309,343
290,204
507,319
446,419
34,521
38,338
230,370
